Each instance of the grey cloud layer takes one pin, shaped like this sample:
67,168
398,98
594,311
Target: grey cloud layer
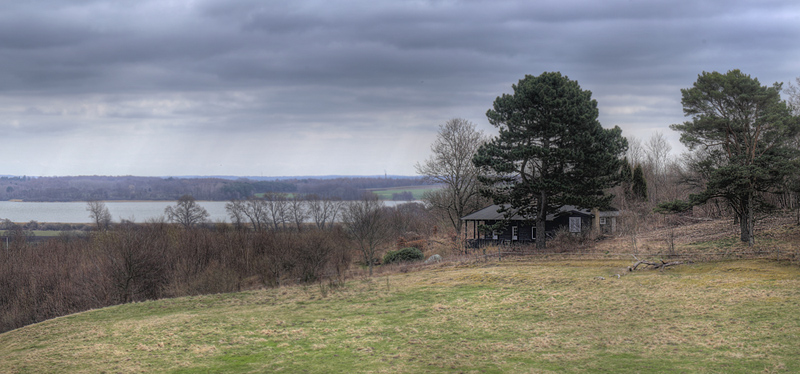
183,69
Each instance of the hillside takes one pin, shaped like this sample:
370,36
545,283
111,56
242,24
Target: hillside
709,239
509,316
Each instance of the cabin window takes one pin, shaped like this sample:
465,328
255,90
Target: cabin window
602,220
494,235
574,224
533,233
514,233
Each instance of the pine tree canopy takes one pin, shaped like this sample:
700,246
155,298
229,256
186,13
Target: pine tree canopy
551,149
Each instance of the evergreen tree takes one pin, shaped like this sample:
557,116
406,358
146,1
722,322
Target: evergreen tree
625,174
626,179
745,129
639,184
551,150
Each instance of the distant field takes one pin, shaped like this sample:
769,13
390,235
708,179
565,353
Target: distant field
529,316
51,233
416,191
386,193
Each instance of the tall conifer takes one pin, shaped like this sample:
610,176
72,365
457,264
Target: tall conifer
551,150
745,129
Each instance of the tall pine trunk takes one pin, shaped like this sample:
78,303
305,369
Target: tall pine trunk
744,225
541,236
751,220
747,220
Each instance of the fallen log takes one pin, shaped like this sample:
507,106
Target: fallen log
655,265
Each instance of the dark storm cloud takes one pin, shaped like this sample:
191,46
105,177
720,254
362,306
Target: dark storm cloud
337,74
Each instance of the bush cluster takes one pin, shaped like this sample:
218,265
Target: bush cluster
403,255
135,262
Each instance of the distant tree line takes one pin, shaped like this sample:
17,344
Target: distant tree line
98,188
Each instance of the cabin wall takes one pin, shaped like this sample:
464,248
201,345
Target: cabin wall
525,230
562,222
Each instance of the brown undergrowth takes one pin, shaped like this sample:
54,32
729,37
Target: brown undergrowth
672,237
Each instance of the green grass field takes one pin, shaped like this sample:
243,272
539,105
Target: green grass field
496,317
416,191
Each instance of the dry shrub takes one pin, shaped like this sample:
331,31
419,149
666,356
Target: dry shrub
443,247
418,242
317,254
50,279
215,278
154,260
565,241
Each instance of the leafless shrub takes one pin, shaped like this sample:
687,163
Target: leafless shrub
297,211
324,210
277,209
137,262
563,240
253,209
186,212
411,218
134,262
366,224
50,279
99,214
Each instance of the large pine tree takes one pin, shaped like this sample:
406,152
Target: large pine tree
551,150
744,130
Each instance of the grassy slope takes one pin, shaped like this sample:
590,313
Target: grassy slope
511,316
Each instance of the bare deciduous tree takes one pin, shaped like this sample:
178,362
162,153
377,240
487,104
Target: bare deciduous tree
794,96
298,211
136,263
323,210
277,206
410,219
99,213
657,154
635,153
793,182
186,212
451,165
365,222
235,209
253,209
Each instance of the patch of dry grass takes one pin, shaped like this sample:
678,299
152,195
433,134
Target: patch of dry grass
510,316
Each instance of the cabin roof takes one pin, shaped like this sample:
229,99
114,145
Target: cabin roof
492,213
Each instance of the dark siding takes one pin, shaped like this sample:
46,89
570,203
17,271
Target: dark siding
525,229
563,221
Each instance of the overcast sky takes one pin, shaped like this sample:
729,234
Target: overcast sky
272,88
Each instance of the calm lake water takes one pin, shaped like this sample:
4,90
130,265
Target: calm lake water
75,212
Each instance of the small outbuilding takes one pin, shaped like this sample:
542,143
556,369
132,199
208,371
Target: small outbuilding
519,229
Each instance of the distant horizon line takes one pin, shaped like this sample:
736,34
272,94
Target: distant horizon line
229,177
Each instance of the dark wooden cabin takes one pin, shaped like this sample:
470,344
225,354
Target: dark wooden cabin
518,229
